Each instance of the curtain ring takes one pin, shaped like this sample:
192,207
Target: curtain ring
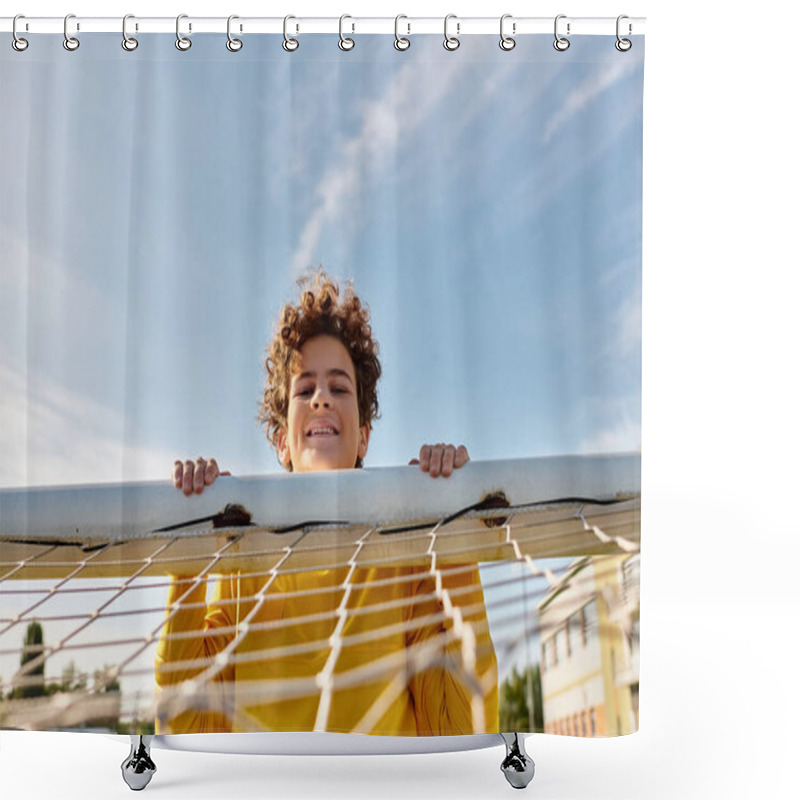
129,43
345,43
506,42
400,42
233,44
623,45
70,42
451,42
289,44
181,42
18,43
561,43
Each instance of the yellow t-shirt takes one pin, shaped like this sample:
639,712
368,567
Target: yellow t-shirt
402,667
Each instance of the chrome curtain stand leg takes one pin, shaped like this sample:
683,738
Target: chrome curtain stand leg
517,766
138,768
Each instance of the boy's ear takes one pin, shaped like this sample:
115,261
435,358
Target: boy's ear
284,456
363,442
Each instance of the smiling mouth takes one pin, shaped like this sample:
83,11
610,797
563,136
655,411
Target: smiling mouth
326,431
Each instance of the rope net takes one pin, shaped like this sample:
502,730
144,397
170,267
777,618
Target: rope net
419,629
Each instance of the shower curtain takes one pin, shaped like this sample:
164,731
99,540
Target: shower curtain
431,257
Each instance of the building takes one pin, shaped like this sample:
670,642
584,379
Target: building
589,625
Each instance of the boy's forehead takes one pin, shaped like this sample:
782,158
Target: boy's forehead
322,355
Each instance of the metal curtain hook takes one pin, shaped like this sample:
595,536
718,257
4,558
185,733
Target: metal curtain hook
451,42
345,43
400,42
129,43
233,44
70,42
289,44
18,43
181,42
506,42
561,43
623,45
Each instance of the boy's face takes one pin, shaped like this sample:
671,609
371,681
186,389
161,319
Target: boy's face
322,422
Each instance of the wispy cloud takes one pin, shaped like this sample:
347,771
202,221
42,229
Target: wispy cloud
385,122
599,81
628,320
622,431
56,436
625,437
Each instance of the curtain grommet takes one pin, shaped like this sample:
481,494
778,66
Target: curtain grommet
345,42
129,43
233,44
17,42
507,42
561,43
451,43
289,44
623,45
401,42
183,43
71,43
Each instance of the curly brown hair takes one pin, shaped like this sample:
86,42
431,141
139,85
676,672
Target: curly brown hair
321,311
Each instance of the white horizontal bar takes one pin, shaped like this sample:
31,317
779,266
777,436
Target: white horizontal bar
465,26
378,495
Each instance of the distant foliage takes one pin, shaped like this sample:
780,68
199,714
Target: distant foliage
32,648
518,693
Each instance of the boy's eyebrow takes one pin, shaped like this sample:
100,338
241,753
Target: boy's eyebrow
334,371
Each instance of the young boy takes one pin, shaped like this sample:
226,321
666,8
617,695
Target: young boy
400,670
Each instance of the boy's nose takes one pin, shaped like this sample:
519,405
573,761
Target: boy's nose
320,398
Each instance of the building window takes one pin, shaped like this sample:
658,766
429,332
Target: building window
574,634
561,645
583,723
630,576
593,721
583,627
589,621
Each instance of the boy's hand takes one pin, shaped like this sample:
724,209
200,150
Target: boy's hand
194,476
441,459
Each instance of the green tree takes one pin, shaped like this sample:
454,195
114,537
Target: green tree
32,649
521,701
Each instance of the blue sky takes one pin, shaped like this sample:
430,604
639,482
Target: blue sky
157,207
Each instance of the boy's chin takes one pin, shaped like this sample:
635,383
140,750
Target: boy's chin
321,461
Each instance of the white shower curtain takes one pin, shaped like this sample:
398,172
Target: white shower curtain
158,208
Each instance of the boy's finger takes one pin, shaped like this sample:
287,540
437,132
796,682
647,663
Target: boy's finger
199,476
177,474
462,456
425,457
188,477
448,458
212,471
436,461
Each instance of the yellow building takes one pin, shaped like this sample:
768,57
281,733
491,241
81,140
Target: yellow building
590,648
